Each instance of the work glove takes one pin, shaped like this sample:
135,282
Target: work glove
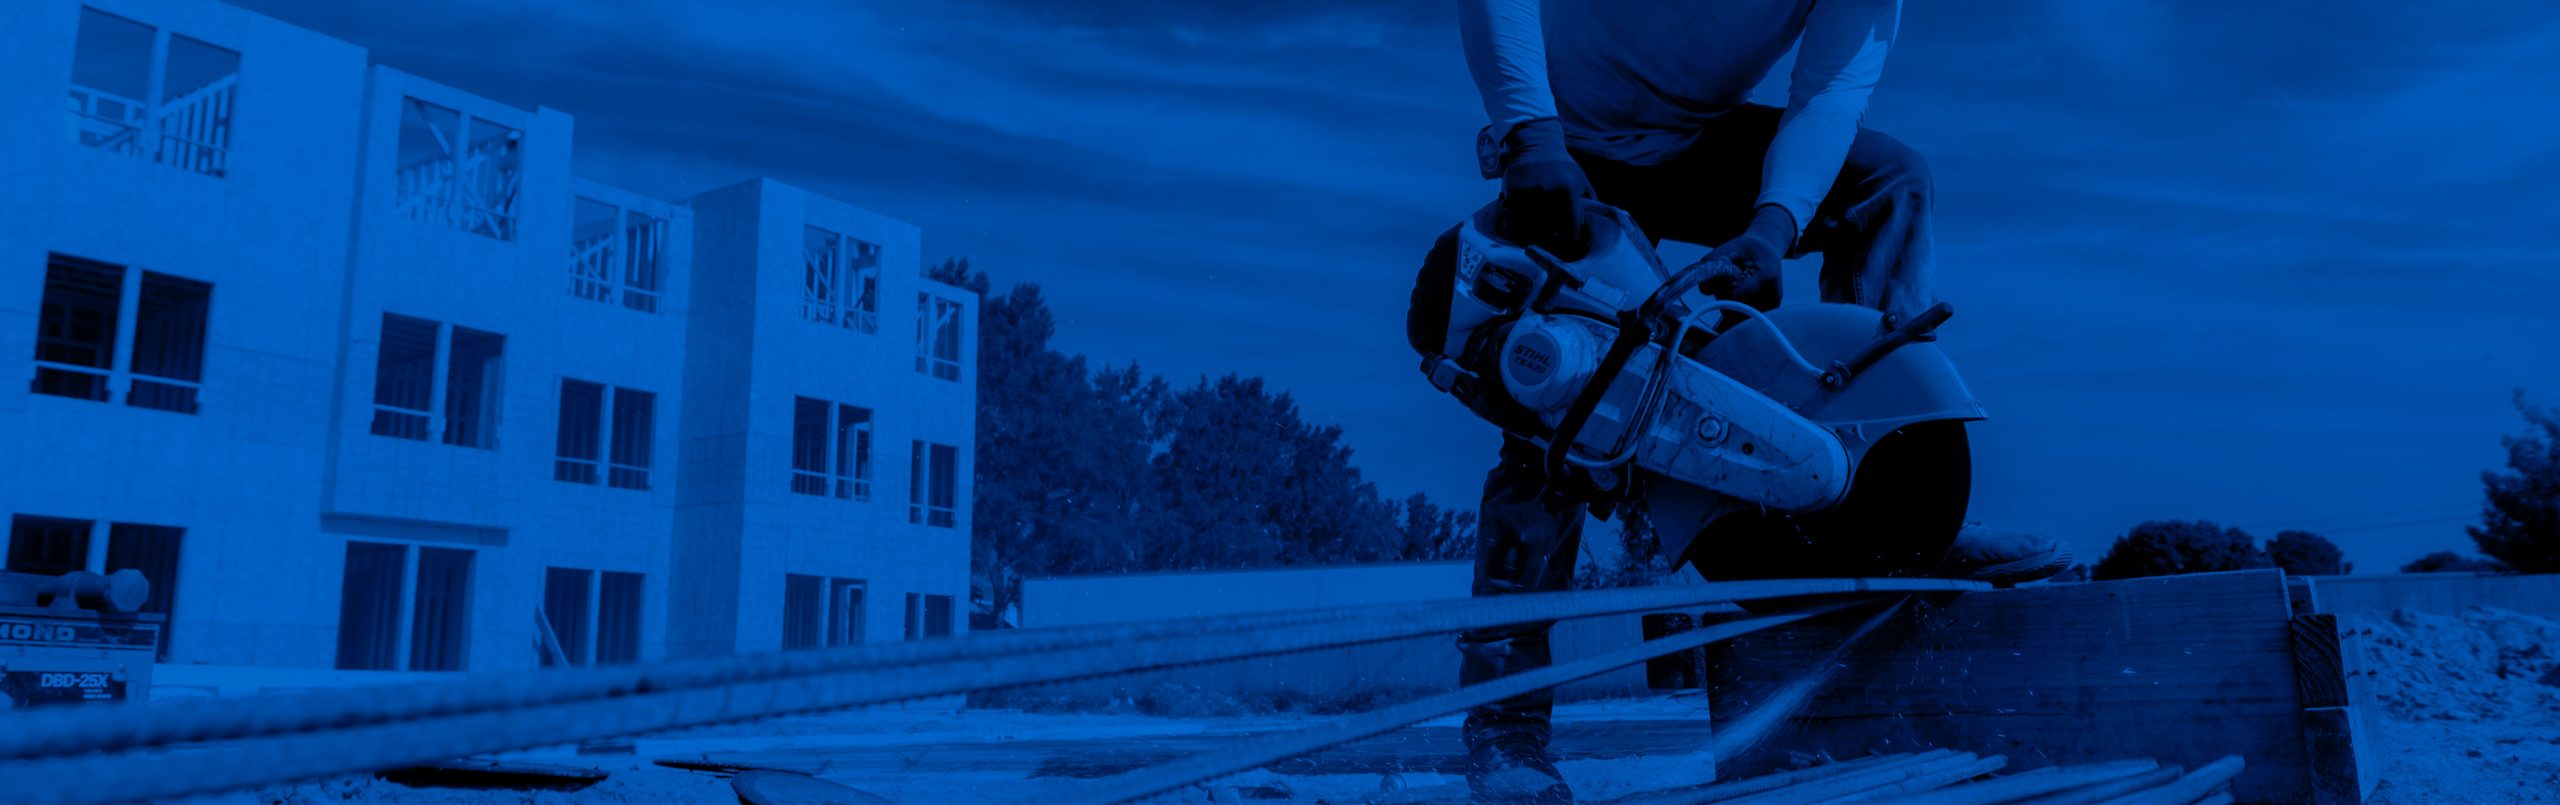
1749,270
1540,184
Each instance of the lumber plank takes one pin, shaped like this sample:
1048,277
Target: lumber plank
2196,785
2320,672
2305,594
2341,771
784,788
485,773
1703,793
2182,669
1924,781
2329,660
2112,789
2036,783
1862,780
1433,749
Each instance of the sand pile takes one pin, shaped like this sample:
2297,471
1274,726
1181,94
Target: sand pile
2469,706
2485,664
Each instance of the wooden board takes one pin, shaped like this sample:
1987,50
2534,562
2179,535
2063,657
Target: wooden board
494,774
784,788
2330,674
2343,768
1413,749
2320,669
2184,669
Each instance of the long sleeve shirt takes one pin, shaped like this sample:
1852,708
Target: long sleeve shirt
1634,80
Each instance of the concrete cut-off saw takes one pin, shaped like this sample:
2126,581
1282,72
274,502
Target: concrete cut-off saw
1816,439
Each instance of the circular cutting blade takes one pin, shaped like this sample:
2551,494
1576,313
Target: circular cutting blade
1905,505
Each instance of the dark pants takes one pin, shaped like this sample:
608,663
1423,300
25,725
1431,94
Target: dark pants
1872,231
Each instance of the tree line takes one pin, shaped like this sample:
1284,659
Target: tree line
1083,469
2519,528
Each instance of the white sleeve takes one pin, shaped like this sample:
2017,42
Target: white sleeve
1837,65
1507,56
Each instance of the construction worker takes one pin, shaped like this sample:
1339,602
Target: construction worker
1642,104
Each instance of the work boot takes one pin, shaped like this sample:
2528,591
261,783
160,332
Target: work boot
2004,558
1514,770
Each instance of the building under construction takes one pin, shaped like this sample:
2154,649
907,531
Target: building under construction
360,373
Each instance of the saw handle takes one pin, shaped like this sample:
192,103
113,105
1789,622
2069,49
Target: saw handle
1919,327
1634,330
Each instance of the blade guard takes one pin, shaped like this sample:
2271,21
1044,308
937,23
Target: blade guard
1915,382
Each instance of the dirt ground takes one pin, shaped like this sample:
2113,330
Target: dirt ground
2469,706
2467,709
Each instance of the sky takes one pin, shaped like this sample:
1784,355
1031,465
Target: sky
2276,264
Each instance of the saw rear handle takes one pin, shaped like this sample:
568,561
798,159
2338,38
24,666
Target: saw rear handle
1918,328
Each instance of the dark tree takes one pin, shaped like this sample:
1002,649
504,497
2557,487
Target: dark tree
2173,547
1638,560
1430,533
1251,484
1060,465
955,273
2450,562
1083,471
1419,527
2520,521
1457,537
2302,553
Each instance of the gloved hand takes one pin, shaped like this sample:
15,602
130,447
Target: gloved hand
1755,258
1539,185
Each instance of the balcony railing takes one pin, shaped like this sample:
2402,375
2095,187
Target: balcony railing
935,516
472,194
191,132
821,265
458,170
140,389
937,337
840,281
591,268
615,255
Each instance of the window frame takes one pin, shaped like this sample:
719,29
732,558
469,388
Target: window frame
595,617
933,315
573,632
406,603
106,546
609,628
207,117
163,600
606,269
462,200
616,470
441,393
80,532
924,470
834,476
921,625
585,470
119,381
607,467
850,267
484,397
830,622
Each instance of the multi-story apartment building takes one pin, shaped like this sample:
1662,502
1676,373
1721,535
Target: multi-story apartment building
358,371
790,434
